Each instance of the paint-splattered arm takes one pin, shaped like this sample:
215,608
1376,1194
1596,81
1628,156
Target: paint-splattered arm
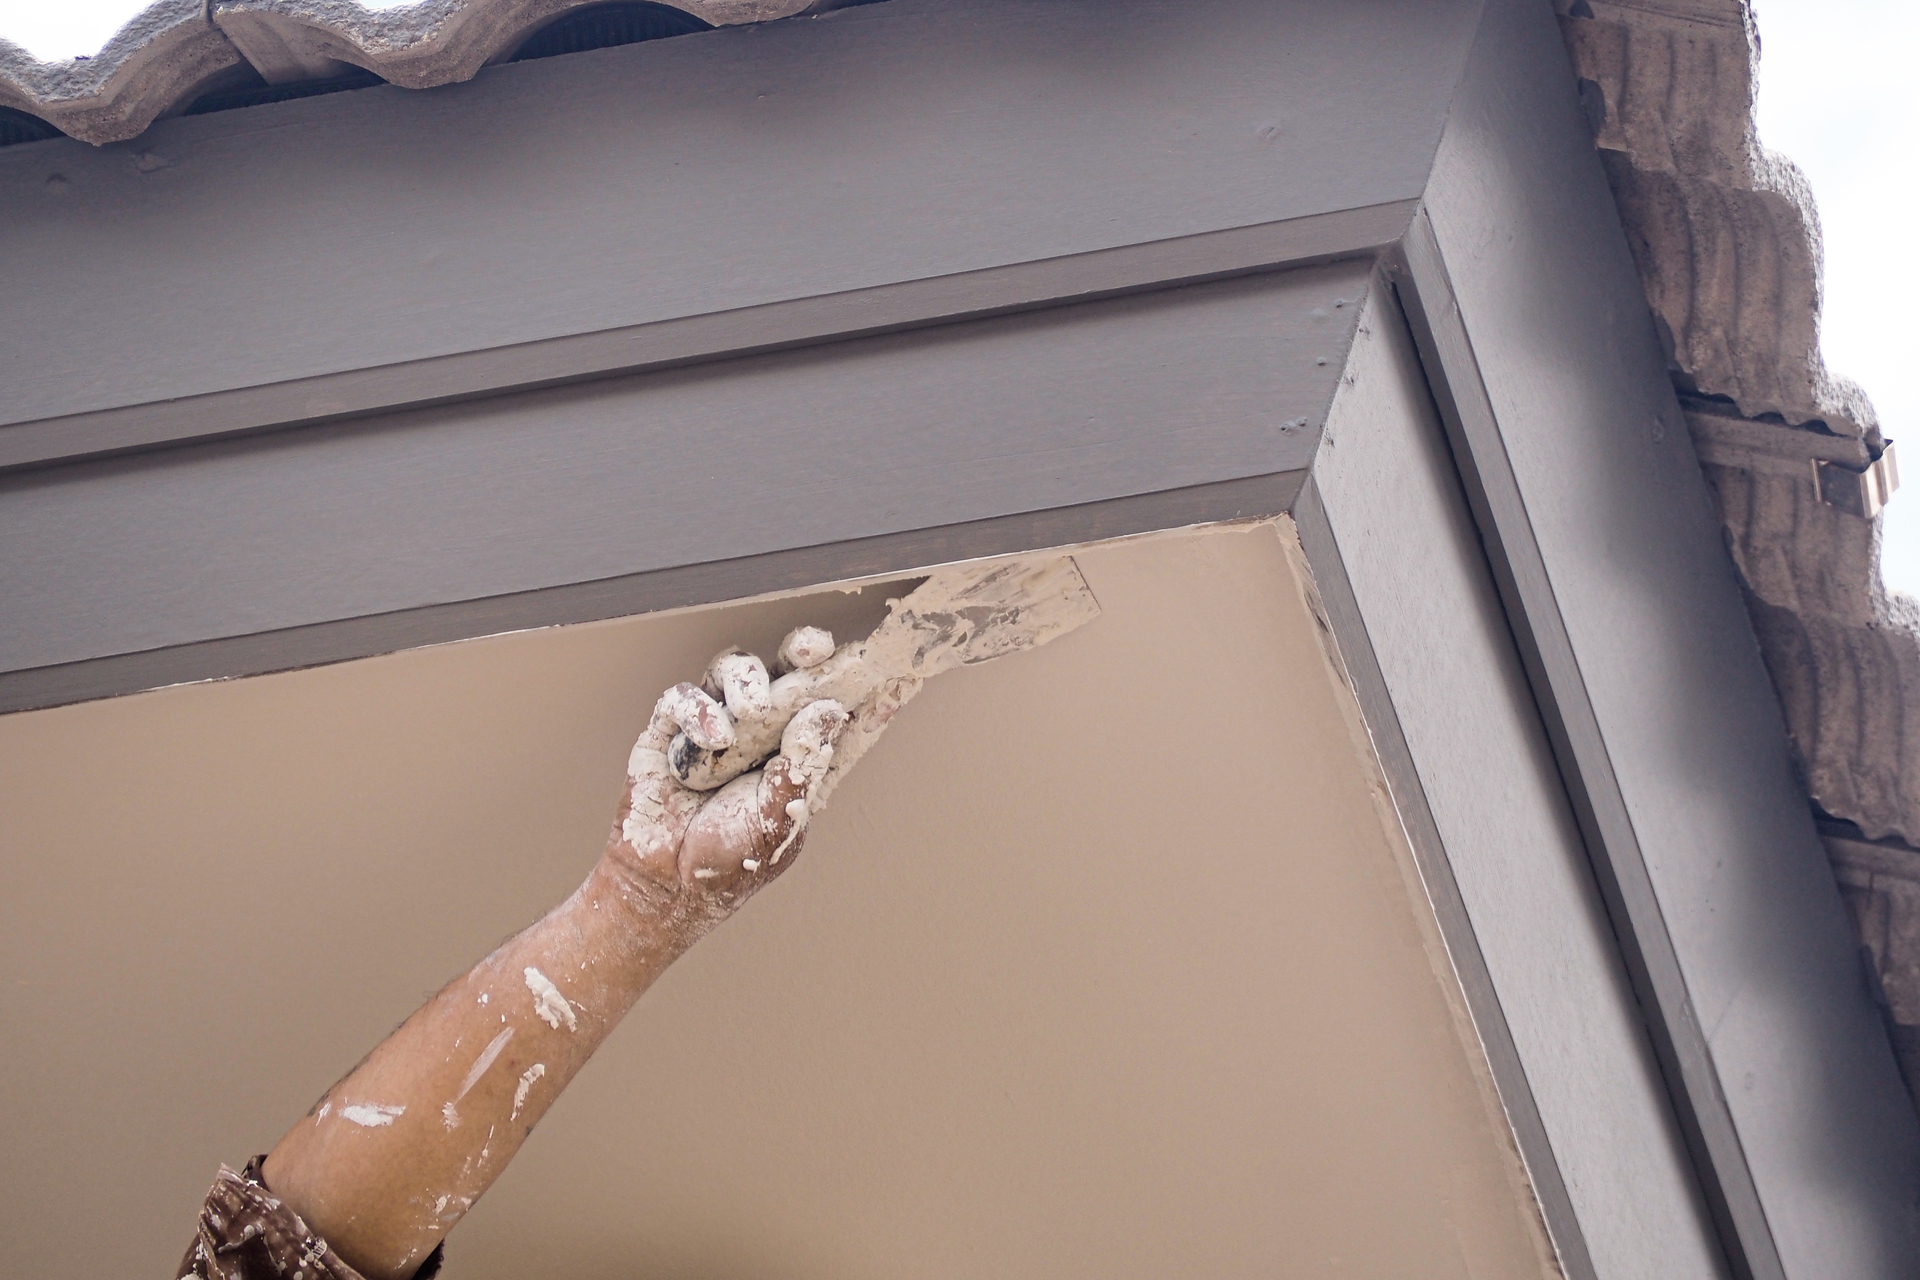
391,1158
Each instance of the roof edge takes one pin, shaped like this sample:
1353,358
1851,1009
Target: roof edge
167,51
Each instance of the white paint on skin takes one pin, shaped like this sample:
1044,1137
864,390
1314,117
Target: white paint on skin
548,1002
739,680
803,649
533,1073
955,618
450,1116
321,1114
481,1063
372,1115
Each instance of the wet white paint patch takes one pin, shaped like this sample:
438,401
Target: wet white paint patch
371,1115
549,1003
533,1073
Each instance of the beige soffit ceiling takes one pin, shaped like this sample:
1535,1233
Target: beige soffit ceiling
1108,961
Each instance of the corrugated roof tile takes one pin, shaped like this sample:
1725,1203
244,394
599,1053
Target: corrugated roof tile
172,49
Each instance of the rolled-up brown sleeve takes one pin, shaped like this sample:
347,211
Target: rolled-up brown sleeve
248,1233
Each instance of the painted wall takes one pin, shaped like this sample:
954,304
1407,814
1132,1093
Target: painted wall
1108,961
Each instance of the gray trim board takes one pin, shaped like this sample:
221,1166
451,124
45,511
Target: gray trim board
1573,725
677,587
1411,600
691,339
704,175
1543,358
446,508
1344,617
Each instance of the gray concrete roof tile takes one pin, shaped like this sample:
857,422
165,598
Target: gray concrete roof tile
163,57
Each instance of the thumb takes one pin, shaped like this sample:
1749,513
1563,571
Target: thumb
752,828
806,753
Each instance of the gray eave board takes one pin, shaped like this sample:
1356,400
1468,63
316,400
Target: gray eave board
1643,658
1149,393
683,177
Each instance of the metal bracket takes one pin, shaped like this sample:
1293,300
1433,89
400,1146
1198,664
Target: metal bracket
1863,493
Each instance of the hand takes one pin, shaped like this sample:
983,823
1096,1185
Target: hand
723,844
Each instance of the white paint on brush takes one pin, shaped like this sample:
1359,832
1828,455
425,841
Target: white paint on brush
481,1063
372,1115
533,1073
548,1002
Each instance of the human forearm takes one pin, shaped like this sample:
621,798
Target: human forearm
393,1155
389,1160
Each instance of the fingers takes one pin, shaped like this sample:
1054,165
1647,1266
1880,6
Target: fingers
758,707
685,708
740,680
807,748
804,648
656,809
752,827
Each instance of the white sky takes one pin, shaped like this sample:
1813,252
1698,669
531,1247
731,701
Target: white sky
1835,95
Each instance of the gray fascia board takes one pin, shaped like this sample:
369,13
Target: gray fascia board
676,587
441,509
692,339
1346,622
707,175
1643,660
